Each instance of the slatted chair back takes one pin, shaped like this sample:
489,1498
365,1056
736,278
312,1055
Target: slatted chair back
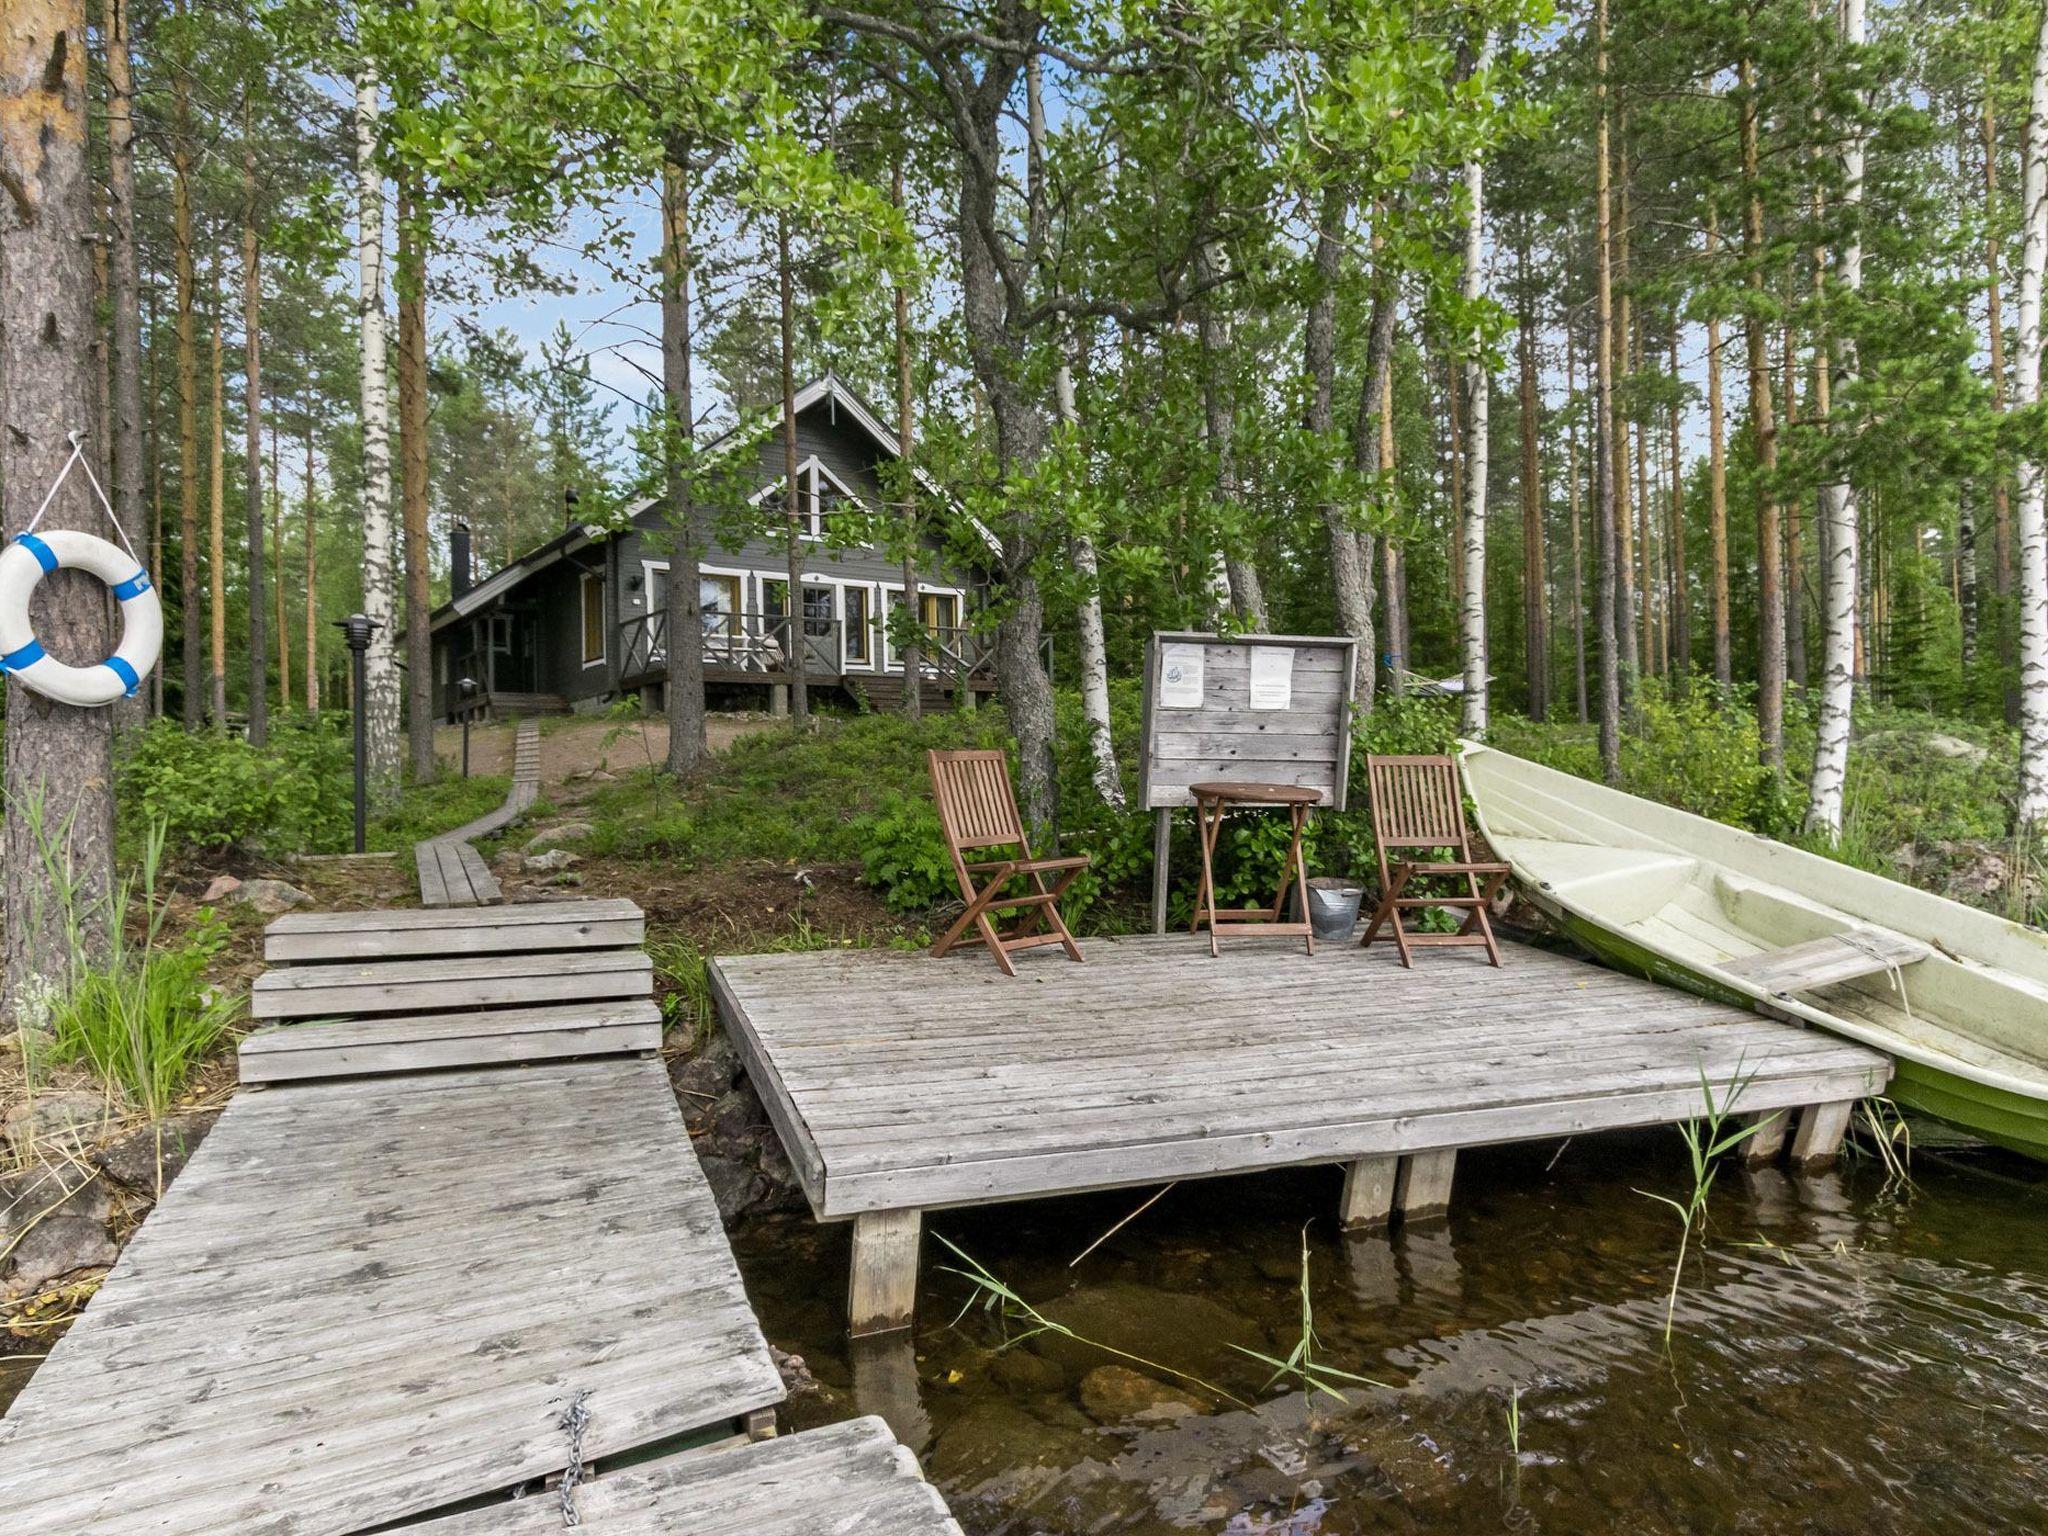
977,808
1417,803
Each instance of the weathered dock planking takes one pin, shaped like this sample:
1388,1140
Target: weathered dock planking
901,1084
372,1297
850,1479
453,874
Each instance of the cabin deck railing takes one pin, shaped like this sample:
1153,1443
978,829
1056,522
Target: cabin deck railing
759,645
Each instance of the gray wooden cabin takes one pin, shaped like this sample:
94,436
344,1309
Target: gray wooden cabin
579,620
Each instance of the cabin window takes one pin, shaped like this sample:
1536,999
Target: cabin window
591,585
858,651
939,610
719,599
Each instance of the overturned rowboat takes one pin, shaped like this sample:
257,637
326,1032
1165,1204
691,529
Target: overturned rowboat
1958,996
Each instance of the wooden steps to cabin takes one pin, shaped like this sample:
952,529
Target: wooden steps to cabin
451,872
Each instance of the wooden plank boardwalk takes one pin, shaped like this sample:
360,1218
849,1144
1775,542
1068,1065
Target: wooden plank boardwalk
386,1287
900,1083
451,872
850,1479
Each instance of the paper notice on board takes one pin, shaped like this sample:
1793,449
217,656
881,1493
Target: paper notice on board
1272,676
1180,677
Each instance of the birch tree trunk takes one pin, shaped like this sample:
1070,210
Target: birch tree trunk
1994,327
1839,508
59,760
1091,643
125,294
687,748
1350,553
1479,391
2032,513
906,422
415,239
793,602
380,703
1717,484
1394,556
1605,599
1372,453
252,442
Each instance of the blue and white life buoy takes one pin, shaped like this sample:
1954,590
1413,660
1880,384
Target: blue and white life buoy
30,558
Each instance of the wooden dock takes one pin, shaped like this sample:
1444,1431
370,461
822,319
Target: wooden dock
456,1252
452,873
900,1083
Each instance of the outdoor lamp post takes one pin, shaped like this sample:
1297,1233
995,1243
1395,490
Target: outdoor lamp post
466,687
357,629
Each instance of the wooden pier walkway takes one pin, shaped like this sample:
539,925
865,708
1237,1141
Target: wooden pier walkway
899,1083
391,1285
451,872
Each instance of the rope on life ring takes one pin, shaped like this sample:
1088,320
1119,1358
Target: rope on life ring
32,556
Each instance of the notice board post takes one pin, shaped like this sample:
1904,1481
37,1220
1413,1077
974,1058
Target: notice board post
1271,708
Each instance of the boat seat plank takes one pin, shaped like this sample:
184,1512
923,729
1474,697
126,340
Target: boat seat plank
1825,961
850,1479
415,1042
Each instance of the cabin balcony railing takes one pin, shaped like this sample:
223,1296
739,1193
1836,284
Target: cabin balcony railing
759,645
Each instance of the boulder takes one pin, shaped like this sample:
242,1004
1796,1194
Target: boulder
734,1185
550,862
796,1375
149,1158
1955,747
554,837
53,1121
271,897
1116,1394
44,1190
221,888
703,1077
508,861
58,1246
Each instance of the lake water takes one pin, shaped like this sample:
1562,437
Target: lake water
1845,1356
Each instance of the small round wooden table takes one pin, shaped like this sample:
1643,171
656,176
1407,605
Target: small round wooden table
1212,801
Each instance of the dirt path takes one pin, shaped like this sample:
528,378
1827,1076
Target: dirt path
569,746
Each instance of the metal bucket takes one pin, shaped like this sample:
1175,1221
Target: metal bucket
1333,907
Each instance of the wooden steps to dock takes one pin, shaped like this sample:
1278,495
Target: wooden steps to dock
456,1252
451,872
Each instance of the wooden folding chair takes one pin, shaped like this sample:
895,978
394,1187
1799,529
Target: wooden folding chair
978,809
1418,803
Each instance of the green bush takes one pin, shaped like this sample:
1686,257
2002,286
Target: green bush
207,789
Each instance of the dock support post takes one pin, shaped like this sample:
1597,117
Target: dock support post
1422,1188
1368,1199
883,1295
1764,1144
760,1424
1821,1128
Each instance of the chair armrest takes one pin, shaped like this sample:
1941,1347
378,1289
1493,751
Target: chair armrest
1424,867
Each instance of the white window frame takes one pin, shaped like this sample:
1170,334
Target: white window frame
584,581
812,474
846,658
888,591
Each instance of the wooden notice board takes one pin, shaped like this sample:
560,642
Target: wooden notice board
1271,708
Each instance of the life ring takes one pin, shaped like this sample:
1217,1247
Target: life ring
30,558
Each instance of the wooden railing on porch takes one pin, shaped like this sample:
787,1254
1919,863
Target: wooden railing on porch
753,645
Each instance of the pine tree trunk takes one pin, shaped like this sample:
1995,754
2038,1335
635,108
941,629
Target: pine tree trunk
1628,633
380,703
58,757
312,667
1535,586
1477,701
1717,485
1681,585
1605,512
793,603
415,243
252,443
190,611
125,296
2032,513
1394,559
913,653
216,527
1372,454
1770,682
688,751
284,644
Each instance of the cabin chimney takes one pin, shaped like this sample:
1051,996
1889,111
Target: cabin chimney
459,578
569,500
